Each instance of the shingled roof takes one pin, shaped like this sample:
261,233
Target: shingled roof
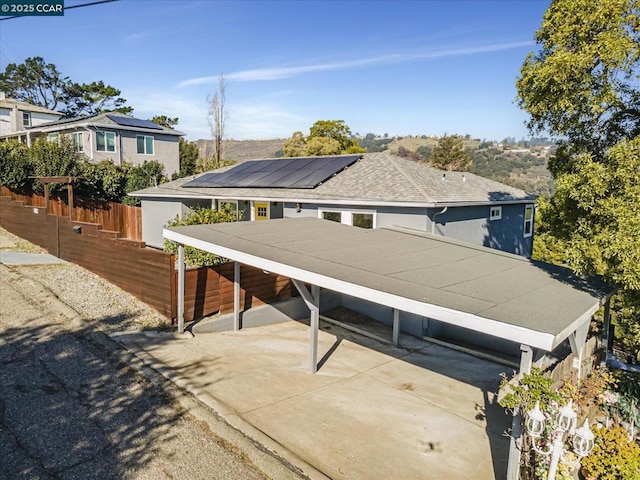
376,179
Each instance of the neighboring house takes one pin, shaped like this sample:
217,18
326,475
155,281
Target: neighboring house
369,190
18,117
106,136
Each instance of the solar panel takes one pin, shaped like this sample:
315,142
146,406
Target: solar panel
307,172
133,122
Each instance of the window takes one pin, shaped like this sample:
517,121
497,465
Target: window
145,144
53,137
333,216
26,119
229,205
362,219
495,213
78,144
528,220
105,141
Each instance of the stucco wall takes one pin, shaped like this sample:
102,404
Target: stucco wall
156,213
165,150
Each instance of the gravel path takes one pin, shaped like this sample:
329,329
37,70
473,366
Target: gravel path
69,409
94,298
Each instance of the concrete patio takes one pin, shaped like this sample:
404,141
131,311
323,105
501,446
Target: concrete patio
371,411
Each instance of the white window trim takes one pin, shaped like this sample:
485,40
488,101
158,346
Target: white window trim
252,205
53,137
347,215
524,227
498,216
79,147
153,144
26,116
115,143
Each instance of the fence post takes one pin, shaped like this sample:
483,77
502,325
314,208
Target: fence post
180,288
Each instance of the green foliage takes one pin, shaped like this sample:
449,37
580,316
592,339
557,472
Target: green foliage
614,456
189,156
149,174
199,216
164,121
103,181
49,159
533,387
40,83
326,137
15,167
92,98
582,83
449,154
596,209
35,82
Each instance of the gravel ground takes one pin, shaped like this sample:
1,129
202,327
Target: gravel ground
91,296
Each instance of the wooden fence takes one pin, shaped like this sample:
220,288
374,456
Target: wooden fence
146,273
117,217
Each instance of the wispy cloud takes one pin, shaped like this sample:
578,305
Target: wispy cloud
261,74
135,38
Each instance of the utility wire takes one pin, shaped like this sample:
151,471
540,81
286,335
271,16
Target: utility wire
90,4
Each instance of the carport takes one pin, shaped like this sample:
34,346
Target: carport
477,288
484,290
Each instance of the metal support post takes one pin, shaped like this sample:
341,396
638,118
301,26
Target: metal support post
396,327
515,444
181,274
236,295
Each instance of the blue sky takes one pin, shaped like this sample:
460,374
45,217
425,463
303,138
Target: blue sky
402,68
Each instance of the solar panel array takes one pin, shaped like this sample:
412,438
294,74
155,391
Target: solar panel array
308,172
134,122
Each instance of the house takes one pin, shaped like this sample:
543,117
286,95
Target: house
370,190
17,116
104,136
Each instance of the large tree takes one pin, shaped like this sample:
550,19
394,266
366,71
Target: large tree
326,137
449,154
582,85
41,84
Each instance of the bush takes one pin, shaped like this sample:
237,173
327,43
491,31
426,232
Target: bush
194,257
15,167
614,456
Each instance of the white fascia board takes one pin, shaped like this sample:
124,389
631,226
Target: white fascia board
473,322
57,128
582,319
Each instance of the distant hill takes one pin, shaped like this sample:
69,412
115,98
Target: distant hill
241,150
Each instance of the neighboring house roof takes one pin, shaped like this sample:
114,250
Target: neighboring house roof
375,179
24,106
104,120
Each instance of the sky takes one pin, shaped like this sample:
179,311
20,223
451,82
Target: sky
403,68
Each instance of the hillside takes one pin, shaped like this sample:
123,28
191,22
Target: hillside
241,150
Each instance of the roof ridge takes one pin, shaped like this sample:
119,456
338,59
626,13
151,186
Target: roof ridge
408,178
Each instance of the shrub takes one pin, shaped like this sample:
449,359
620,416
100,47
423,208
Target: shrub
194,257
614,456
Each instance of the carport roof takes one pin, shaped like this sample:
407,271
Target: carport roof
478,288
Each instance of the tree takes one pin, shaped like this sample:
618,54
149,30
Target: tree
449,154
296,146
164,121
216,119
53,158
93,98
40,83
189,154
15,167
35,82
149,174
582,84
326,137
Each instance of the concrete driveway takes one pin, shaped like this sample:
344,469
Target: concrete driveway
371,411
